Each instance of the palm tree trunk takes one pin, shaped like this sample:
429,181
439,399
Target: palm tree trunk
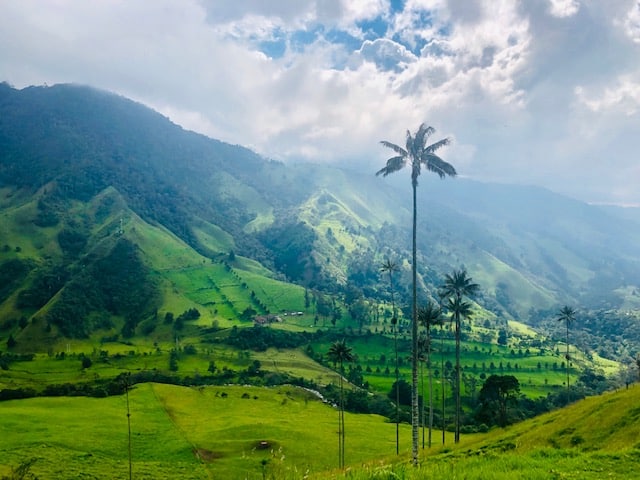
394,321
567,362
395,346
126,389
457,420
429,372
422,409
414,340
341,423
339,437
442,380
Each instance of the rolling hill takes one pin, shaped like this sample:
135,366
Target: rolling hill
179,432
89,179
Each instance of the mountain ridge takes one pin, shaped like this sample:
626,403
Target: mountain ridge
315,225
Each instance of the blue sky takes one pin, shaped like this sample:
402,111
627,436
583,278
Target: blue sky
543,92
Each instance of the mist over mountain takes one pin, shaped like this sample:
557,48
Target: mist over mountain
87,176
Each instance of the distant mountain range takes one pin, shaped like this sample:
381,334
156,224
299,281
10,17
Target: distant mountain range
90,181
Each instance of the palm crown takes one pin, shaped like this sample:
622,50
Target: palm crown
419,154
458,284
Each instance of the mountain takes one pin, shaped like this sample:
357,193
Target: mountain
113,216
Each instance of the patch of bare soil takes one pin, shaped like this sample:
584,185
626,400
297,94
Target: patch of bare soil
207,456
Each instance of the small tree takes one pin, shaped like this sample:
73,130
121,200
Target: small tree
212,367
173,360
86,362
497,393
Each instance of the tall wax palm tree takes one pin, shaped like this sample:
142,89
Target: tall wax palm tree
458,285
429,315
568,316
339,353
390,267
418,154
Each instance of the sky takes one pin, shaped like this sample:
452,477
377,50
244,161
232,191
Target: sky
536,92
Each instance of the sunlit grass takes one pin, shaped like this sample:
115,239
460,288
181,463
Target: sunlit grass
180,432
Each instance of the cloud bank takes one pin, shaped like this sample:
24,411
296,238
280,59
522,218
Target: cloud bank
543,92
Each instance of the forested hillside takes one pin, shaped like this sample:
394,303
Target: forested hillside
105,205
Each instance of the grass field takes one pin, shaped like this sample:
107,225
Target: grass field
288,433
179,432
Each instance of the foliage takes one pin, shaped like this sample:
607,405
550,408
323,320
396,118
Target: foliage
260,338
401,390
118,283
291,245
48,281
12,273
497,394
72,241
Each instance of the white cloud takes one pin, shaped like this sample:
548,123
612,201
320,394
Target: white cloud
563,8
624,96
518,84
631,23
386,54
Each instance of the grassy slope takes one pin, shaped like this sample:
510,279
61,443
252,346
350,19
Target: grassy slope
595,438
203,433
186,279
179,432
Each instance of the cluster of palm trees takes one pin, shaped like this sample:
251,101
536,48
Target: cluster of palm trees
453,295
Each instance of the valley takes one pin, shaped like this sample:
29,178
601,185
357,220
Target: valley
206,285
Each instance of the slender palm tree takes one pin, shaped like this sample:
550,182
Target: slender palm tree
339,353
391,267
458,285
418,154
568,316
429,315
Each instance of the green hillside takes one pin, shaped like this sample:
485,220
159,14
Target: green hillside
243,431
531,249
133,249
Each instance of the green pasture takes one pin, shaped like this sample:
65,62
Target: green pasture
179,432
279,296
295,363
535,371
111,359
213,237
539,371
244,431
20,233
